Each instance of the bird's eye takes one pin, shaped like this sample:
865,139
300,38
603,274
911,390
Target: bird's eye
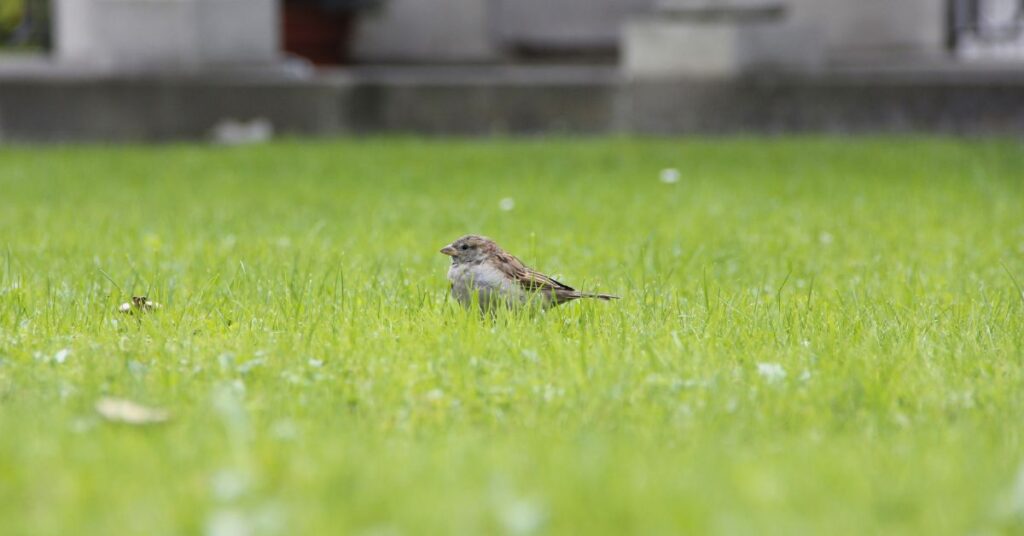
463,247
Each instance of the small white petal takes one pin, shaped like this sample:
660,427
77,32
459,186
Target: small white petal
669,175
506,204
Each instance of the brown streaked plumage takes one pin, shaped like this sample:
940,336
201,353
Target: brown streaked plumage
482,270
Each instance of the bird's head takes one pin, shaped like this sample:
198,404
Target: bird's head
470,249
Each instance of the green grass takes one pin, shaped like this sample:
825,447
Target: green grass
321,381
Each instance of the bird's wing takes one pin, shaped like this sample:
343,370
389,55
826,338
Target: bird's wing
527,277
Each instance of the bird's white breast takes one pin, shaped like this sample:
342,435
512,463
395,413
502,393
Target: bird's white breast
487,282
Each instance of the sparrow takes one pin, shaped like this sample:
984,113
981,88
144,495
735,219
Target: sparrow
481,269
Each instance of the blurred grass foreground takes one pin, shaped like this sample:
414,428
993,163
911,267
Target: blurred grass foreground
816,336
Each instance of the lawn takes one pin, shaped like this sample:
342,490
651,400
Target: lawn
816,336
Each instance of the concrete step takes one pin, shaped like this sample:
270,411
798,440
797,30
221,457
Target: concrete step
46,104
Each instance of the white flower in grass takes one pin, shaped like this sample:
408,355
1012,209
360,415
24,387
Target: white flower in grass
506,204
669,176
61,355
772,372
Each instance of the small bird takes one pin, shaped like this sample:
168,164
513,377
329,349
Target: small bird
482,269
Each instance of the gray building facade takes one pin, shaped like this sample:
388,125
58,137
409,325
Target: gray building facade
151,70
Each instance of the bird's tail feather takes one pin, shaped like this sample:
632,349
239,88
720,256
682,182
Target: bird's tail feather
605,297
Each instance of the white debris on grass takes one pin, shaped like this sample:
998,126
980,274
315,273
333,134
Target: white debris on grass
772,372
262,518
669,175
226,361
228,241
236,132
61,355
522,516
506,204
284,430
228,402
229,484
1011,505
129,412
228,523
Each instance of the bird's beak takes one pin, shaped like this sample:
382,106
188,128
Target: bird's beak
448,250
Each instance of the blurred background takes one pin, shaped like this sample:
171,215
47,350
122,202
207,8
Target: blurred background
237,70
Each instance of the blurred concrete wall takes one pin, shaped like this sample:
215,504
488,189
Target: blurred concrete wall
160,34
564,24
203,32
427,31
875,29
486,30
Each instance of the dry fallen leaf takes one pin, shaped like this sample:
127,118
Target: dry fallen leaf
128,412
